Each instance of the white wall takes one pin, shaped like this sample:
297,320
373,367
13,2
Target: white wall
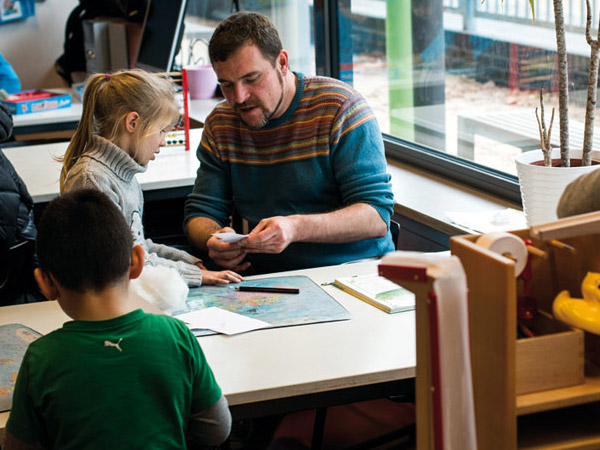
33,44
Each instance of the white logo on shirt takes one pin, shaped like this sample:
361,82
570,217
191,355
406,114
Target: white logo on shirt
113,344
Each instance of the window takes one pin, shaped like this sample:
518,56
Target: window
455,83
293,19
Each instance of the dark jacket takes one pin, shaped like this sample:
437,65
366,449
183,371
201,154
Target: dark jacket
17,234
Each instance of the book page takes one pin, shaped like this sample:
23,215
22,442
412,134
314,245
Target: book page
374,285
379,291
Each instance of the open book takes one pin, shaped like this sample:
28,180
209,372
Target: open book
378,291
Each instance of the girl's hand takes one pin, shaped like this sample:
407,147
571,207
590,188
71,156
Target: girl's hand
222,277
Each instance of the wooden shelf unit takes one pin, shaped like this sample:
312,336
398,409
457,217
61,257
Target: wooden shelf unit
552,419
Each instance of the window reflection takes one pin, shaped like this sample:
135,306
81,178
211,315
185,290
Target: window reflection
462,77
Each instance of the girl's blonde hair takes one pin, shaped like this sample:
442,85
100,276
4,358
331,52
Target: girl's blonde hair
107,100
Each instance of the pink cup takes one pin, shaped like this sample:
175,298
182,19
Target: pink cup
202,81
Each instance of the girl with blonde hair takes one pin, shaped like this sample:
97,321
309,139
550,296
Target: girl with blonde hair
123,124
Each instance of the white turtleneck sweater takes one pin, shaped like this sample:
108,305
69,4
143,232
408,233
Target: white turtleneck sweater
110,170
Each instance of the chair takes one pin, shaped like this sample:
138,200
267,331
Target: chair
395,229
354,426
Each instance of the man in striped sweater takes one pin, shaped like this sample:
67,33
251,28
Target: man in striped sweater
300,158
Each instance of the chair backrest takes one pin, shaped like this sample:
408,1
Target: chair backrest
395,229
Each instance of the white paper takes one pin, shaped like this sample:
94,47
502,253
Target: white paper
486,221
221,321
450,287
230,237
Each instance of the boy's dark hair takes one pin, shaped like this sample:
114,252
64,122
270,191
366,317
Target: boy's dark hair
240,28
84,241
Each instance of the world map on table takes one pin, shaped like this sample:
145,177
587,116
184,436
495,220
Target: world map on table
14,339
311,305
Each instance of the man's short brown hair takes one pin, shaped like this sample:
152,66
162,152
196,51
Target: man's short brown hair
242,28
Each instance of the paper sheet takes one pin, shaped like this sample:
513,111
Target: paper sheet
450,286
221,321
230,237
485,221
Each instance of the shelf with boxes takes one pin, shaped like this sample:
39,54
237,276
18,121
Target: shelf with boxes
524,385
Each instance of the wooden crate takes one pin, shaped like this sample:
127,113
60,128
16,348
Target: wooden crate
553,358
503,365
493,293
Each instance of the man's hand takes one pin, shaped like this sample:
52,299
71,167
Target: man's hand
272,235
229,255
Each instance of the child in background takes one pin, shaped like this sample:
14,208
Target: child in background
115,377
123,124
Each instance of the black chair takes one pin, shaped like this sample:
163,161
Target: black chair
395,229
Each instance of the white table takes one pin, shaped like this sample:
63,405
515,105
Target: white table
200,108
281,369
53,120
174,167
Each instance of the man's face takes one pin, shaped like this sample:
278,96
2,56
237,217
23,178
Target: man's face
252,86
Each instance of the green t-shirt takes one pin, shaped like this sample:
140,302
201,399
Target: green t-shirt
129,382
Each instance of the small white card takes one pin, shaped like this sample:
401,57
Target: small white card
230,237
221,321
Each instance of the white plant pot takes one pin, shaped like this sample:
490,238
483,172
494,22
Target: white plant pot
541,187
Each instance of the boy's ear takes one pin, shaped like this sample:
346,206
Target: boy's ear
137,261
131,121
46,284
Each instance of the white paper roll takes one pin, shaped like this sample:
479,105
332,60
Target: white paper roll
506,244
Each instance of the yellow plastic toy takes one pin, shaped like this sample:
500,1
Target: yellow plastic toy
583,312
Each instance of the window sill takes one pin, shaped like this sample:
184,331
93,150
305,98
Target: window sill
425,198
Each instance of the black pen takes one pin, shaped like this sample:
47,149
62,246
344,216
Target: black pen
277,290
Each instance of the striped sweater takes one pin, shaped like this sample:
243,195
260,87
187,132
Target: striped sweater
324,153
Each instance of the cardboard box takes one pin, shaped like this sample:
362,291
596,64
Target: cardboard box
31,101
79,89
552,359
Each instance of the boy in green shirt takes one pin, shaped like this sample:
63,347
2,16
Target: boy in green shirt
114,377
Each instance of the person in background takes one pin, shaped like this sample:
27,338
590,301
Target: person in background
124,120
9,80
17,230
300,158
114,377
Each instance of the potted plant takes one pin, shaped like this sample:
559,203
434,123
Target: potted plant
544,174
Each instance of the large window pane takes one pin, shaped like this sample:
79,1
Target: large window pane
293,19
462,77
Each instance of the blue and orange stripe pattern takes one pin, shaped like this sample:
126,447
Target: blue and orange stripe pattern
325,110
